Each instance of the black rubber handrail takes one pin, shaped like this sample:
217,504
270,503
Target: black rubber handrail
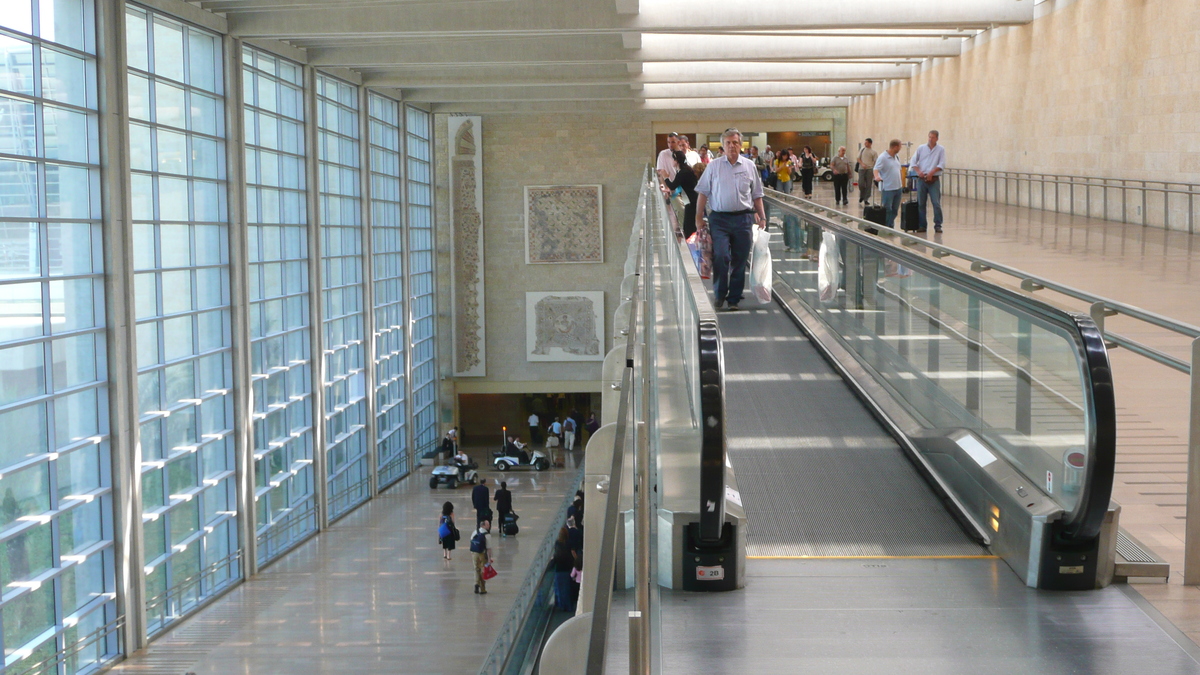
712,397
1084,521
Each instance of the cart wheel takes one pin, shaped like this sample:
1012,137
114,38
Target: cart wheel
502,466
433,482
541,465
453,483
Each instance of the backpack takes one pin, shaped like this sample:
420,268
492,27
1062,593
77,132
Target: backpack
477,543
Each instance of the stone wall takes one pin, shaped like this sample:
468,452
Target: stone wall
1107,88
520,150
561,149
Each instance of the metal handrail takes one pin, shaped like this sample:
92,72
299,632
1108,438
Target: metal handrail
1087,516
961,181
711,395
501,653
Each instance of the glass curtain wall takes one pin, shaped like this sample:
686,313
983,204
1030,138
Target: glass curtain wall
58,609
387,252
344,373
181,291
280,341
421,280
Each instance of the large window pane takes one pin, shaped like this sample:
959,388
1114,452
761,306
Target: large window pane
420,279
279,300
391,325
180,238
342,293
53,375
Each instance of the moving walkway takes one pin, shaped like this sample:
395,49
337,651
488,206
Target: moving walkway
916,467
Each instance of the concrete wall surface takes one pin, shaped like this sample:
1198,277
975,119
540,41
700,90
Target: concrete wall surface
1107,88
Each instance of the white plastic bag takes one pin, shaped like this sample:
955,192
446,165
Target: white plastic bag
760,267
829,268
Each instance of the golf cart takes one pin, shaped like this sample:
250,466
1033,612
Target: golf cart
505,460
453,474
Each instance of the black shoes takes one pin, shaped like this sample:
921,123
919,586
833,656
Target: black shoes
732,308
719,304
937,228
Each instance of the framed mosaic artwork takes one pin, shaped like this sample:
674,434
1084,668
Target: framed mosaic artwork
564,224
466,213
564,326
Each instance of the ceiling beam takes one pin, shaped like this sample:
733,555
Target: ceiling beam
655,47
756,89
616,73
287,19
607,92
747,103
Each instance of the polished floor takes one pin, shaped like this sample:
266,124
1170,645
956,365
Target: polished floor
919,617
370,595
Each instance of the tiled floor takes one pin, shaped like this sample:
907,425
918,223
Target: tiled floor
372,594
1143,266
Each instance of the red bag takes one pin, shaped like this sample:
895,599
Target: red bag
489,571
704,243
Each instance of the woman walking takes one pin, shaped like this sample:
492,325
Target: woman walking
783,171
808,167
685,179
447,530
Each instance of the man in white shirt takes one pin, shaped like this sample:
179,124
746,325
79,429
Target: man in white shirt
929,163
693,157
665,163
887,172
735,189
535,429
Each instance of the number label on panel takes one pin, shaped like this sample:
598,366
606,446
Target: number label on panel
710,573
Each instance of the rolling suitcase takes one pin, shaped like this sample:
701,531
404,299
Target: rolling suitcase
510,526
875,213
910,212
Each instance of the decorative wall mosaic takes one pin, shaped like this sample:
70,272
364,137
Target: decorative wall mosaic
564,224
564,326
466,195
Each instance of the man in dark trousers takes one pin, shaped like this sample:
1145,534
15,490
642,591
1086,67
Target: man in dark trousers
503,505
733,188
480,498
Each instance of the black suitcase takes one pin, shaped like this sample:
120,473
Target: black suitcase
511,528
910,216
910,212
874,213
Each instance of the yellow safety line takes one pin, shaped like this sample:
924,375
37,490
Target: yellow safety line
872,557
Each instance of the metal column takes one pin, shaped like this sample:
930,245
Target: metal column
239,300
368,281
312,167
121,335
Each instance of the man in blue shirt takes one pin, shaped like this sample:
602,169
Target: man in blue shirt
887,172
929,162
735,188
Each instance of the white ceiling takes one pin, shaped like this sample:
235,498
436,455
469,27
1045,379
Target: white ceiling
474,55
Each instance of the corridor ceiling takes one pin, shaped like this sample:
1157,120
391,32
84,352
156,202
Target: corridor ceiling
562,55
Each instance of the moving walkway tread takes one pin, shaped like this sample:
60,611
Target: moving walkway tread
819,476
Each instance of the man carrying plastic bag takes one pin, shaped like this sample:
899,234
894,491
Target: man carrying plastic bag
760,267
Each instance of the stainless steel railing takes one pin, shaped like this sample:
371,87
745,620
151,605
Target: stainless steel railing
1166,204
1100,308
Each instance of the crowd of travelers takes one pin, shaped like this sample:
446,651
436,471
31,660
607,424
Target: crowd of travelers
567,432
